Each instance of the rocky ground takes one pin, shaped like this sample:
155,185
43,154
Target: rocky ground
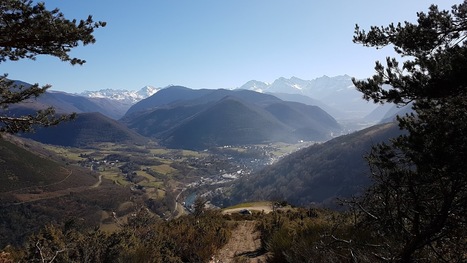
244,246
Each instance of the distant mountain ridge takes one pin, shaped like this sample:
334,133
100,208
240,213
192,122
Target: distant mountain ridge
336,95
124,96
180,117
109,102
337,92
65,103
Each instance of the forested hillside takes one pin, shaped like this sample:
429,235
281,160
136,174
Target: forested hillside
199,119
318,174
85,130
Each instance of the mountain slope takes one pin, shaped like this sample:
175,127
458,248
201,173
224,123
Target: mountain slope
228,122
65,103
181,96
395,111
86,130
179,117
18,173
111,103
379,112
154,123
308,122
38,188
334,112
165,97
317,174
335,92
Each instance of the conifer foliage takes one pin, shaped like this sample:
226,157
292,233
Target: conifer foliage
27,30
418,205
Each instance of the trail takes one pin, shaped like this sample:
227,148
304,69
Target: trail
99,181
243,246
176,200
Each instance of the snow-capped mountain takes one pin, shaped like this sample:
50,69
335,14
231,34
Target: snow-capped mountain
123,96
337,92
317,88
293,85
255,85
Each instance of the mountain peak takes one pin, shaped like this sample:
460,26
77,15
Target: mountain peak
338,92
124,96
293,78
147,91
255,85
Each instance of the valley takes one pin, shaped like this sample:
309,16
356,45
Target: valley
367,166
160,173
171,148
163,180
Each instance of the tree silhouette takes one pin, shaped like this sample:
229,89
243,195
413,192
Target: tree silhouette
26,31
418,205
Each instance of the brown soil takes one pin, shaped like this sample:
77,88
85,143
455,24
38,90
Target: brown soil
243,246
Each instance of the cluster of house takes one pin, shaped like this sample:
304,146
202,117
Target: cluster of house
95,164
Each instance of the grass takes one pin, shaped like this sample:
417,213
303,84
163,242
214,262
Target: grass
159,152
115,177
126,206
160,193
250,204
282,149
148,177
188,153
164,169
107,146
113,173
152,184
238,149
72,154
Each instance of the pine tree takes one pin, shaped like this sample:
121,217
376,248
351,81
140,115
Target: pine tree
27,30
417,207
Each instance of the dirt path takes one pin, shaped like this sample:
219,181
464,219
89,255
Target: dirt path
99,181
262,209
243,246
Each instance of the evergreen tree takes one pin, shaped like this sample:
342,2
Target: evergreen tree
417,208
27,30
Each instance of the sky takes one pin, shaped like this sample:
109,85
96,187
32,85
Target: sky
216,43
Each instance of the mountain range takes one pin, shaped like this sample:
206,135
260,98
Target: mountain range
286,110
180,117
127,97
337,93
111,103
183,118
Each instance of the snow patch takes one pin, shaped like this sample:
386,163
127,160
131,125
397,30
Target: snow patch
125,96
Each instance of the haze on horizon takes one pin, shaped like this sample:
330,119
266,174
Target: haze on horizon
217,44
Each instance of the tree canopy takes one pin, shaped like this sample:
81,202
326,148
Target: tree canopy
418,205
435,48
27,30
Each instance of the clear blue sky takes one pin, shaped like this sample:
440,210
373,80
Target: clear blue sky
216,43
